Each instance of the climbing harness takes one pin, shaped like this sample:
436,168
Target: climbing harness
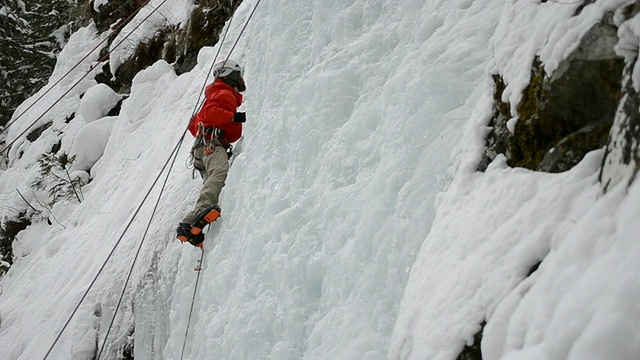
201,141
206,139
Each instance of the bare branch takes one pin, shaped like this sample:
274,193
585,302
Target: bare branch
25,200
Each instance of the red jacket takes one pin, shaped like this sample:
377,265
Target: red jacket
220,104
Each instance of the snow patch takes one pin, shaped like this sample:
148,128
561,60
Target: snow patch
511,217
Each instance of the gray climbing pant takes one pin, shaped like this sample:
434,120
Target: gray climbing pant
213,169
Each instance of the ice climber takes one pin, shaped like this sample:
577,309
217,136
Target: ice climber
215,127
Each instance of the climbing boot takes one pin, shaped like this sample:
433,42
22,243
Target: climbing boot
197,240
184,234
206,217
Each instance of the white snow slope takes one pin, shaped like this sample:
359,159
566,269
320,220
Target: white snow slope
354,225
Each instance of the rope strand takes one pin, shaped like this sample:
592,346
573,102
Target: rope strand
95,278
78,82
135,259
175,155
116,29
193,299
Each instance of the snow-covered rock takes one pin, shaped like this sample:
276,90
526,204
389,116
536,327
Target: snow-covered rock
91,141
97,102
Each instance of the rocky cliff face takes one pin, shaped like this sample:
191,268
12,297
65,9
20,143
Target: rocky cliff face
177,44
589,102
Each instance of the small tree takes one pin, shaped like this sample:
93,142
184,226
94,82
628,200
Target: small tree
55,178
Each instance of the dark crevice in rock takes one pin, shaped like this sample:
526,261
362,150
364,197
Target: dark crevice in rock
631,10
9,229
35,133
56,147
116,109
473,351
105,76
563,157
497,140
127,351
583,5
69,118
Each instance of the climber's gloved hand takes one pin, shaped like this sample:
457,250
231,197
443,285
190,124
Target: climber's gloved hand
239,117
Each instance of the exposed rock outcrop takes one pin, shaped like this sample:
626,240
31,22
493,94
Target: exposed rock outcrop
622,159
178,45
566,115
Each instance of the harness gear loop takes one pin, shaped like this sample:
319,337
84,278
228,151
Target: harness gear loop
202,140
209,138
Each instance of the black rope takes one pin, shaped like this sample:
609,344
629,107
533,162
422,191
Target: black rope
102,58
78,82
135,259
175,150
193,300
566,2
174,155
243,29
